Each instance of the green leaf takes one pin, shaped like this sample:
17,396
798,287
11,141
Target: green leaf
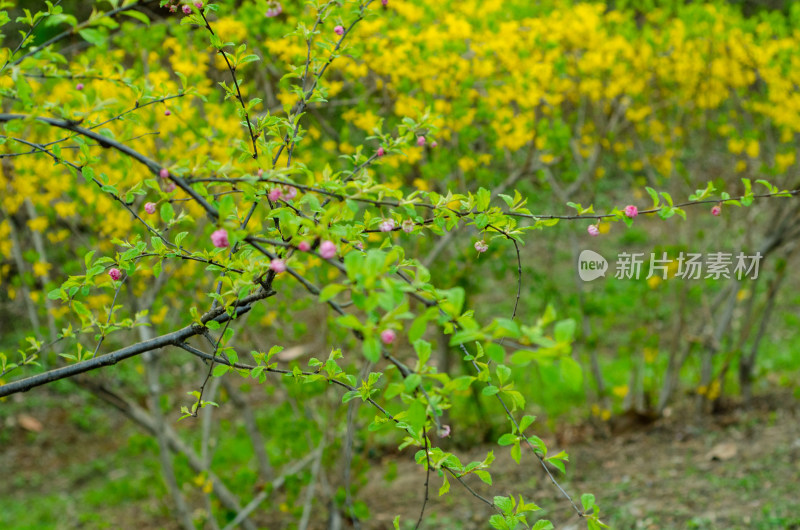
417,329
445,486
496,353
138,15
372,349
93,36
331,290
507,439
220,370
417,415
180,237
349,396
490,390
249,59
55,294
571,372
485,476
565,330
167,212
587,500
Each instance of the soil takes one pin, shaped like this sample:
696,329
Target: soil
734,469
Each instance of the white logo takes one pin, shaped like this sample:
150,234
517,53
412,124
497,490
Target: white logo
591,265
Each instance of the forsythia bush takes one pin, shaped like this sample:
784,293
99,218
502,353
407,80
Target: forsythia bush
226,180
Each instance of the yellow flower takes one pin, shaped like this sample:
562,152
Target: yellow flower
620,391
421,184
38,224
753,149
41,269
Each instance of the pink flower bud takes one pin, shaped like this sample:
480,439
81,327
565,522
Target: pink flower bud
388,336
593,230
481,246
163,173
445,432
169,186
260,172
277,265
150,208
380,151
359,245
716,210
173,8
387,225
115,273
274,10
408,226
198,4
79,86
219,238
327,249
167,112
186,9
304,246
434,144
420,141
290,193
274,194
384,3
631,211
339,30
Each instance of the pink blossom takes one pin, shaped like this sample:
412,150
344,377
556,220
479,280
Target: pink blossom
169,186
219,238
115,273
420,141
380,151
198,4
173,8
481,246
167,112
387,225
304,246
716,210
150,208
327,249
593,230
290,193
359,245
277,265
445,432
186,9
274,10
163,173
384,3
260,172
275,194
631,211
79,86
339,30
388,336
408,226
434,144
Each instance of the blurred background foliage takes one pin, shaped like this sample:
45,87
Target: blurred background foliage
580,102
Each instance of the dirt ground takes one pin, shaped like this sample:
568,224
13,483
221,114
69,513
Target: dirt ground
737,469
